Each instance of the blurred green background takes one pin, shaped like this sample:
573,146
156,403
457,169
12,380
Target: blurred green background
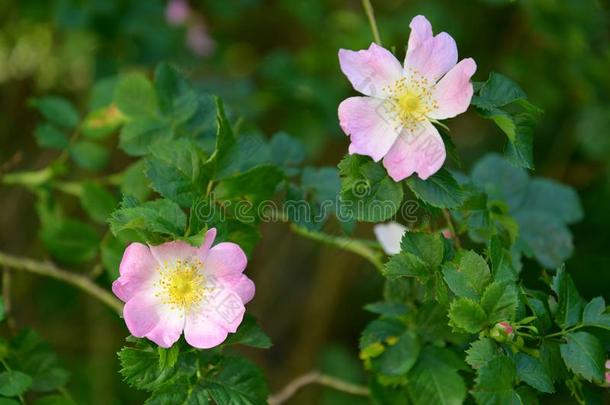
275,63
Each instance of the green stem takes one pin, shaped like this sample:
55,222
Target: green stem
368,8
564,332
449,221
50,270
362,248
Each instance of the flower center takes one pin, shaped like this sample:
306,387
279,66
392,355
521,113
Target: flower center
182,285
410,99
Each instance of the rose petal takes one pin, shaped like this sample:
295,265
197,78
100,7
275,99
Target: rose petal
136,271
371,70
432,58
240,285
421,30
389,236
168,253
225,258
454,91
421,151
371,125
140,314
169,327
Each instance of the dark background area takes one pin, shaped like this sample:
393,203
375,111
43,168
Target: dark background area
275,63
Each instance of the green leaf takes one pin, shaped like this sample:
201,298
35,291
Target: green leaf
175,170
101,123
500,302
429,247
389,309
495,382
584,355
554,198
134,182
141,366
367,193
237,381
406,264
256,184
374,337
468,275
480,352
135,96
168,357
546,236
36,359
249,334
550,356
440,190
286,152
225,139
595,314
500,180
399,356
498,91
57,110
70,241
97,201
2,309
162,217
176,99
48,136
467,314
89,155
138,136
433,380
14,383
570,304
531,371
248,151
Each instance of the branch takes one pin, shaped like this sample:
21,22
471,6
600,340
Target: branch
456,238
50,270
360,247
315,377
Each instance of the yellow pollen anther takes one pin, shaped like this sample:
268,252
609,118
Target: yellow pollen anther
181,285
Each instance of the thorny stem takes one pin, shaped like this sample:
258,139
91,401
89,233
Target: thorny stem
50,270
362,248
368,8
315,377
563,332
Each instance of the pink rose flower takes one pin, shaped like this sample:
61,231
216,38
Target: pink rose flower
177,12
174,287
394,120
198,40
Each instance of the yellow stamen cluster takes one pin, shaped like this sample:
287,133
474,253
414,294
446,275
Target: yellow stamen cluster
181,285
411,99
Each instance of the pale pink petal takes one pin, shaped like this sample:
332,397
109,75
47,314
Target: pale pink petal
389,236
168,253
207,244
418,151
454,91
240,285
370,71
432,58
219,313
140,314
136,270
203,333
169,327
225,258
421,30
371,124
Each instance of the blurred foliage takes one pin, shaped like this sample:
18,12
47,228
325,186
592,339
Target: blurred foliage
275,63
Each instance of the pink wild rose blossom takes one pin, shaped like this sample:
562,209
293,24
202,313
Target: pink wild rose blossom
177,12
175,287
394,120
